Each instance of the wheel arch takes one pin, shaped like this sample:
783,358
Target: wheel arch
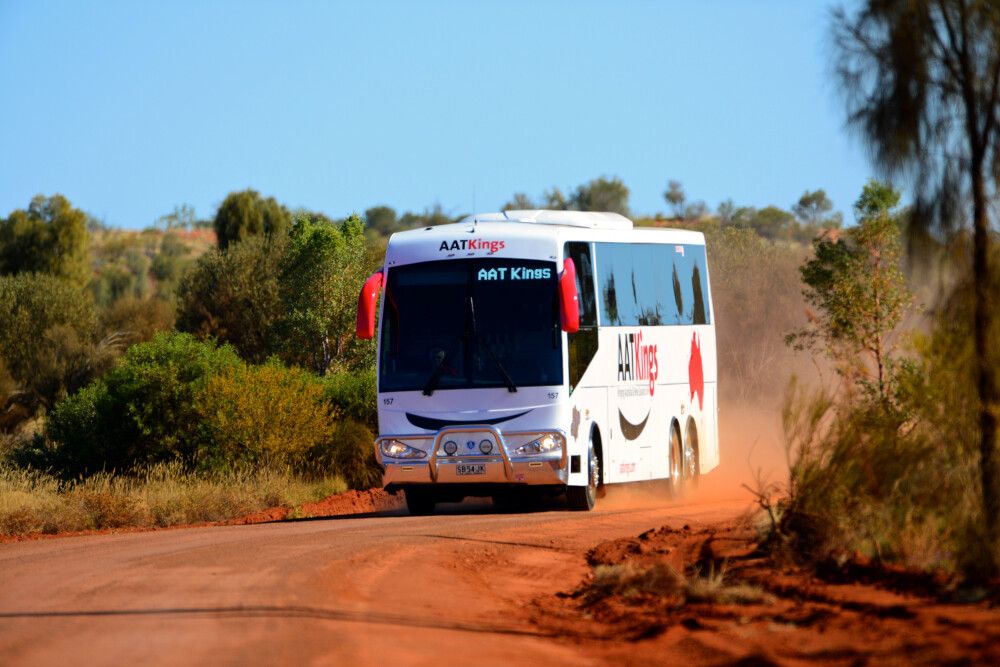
675,425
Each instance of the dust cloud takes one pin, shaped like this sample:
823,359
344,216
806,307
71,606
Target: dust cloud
750,449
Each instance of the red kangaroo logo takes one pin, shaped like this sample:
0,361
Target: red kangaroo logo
696,374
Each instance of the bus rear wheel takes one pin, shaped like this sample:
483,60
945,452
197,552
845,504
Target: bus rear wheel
583,498
692,466
420,502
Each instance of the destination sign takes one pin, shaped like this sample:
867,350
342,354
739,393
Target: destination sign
514,273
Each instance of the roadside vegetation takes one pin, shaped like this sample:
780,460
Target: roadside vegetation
194,370
896,463
163,495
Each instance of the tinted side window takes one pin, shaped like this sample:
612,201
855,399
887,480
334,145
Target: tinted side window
689,281
583,344
581,256
652,284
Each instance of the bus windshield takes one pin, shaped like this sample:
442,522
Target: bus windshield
470,323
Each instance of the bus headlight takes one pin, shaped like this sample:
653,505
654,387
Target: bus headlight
550,442
395,449
450,448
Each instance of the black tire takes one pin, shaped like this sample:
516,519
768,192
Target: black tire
583,498
420,502
675,469
692,461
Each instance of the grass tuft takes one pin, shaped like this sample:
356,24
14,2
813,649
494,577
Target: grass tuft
661,580
164,495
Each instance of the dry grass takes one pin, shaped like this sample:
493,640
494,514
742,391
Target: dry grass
33,502
662,580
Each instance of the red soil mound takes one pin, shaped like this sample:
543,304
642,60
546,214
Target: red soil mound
803,618
354,502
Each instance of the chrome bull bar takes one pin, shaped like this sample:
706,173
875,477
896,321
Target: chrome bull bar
510,467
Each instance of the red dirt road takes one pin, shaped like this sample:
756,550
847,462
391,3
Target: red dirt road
389,589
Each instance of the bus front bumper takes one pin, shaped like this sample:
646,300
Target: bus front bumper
506,463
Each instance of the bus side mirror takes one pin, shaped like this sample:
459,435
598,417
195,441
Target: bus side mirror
367,306
569,300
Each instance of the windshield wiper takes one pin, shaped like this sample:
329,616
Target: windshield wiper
432,381
511,387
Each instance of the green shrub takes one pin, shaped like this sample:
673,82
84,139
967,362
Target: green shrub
262,415
354,394
899,482
354,455
864,481
142,412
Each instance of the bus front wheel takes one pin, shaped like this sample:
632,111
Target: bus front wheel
583,498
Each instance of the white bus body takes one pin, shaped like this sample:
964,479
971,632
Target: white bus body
482,391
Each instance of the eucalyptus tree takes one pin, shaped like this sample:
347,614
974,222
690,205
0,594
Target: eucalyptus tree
921,79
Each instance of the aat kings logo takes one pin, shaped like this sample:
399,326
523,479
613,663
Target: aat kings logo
637,360
472,244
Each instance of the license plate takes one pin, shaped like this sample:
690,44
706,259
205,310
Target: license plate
470,469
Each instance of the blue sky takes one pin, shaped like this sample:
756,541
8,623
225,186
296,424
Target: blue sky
131,108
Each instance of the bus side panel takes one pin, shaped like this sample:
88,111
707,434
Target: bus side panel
653,377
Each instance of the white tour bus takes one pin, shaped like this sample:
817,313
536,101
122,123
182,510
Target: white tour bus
542,351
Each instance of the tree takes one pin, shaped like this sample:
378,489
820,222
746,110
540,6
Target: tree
555,200
696,210
48,331
431,217
772,222
50,237
382,220
170,263
726,212
182,217
321,273
675,196
232,296
602,194
519,202
245,214
122,272
857,287
813,210
922,85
